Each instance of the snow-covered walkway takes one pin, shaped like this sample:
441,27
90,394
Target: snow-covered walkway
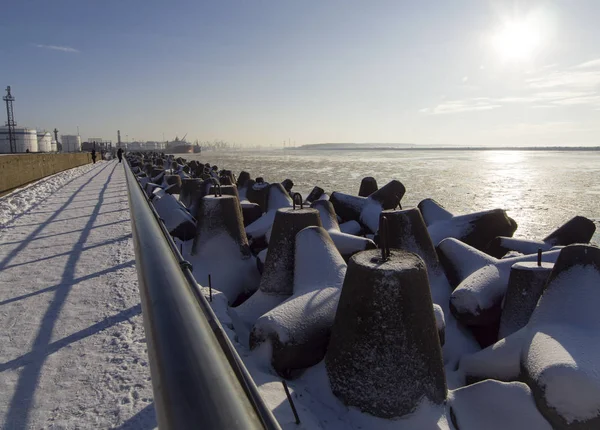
72,345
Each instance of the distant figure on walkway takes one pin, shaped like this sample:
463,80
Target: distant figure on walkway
94,156
120,154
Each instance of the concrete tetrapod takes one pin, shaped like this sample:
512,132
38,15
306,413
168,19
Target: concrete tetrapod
178,221
368,186
557,352
314,195
346,244
220,248
525,286
477,229
367,209
277,281
384,356
173,182
483,280
300,327
406,230
189,190
495,405
278,198
578,229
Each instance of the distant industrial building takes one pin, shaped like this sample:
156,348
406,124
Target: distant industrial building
70,143
25,138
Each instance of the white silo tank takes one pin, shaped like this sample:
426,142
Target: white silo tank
44,139
70,143
25,139
54,146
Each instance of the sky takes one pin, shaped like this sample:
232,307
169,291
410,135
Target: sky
254,72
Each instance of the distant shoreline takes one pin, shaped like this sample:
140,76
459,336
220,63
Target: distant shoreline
453,148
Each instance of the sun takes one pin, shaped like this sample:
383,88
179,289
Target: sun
517,39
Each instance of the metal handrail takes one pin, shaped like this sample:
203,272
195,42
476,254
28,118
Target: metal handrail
198,378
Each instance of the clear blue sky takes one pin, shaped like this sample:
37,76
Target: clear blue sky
473,72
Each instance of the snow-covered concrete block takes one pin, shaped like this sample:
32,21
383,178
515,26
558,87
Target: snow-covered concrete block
178,221
220,248
299,328
477,229
277,281
407,231
578,229
495,405
482,280
525,286
278,198
561,356
384,356
557,352
346,244
367,209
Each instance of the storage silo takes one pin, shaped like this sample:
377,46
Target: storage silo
54,146
44,139
70,143
26,139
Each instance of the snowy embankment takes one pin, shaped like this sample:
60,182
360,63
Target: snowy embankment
73,349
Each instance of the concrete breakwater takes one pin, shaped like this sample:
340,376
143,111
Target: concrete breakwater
20,169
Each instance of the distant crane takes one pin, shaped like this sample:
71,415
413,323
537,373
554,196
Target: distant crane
9,99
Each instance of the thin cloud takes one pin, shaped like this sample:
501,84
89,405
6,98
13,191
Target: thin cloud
589,64
459,106
58,48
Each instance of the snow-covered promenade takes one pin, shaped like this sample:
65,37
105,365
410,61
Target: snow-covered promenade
72,345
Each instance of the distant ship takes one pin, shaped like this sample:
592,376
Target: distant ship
178,146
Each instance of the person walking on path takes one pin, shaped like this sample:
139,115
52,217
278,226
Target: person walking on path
94,156
120,154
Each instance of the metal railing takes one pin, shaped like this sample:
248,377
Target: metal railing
199,380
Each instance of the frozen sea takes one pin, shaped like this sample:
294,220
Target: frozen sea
539,189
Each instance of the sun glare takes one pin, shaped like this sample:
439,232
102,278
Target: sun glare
518,39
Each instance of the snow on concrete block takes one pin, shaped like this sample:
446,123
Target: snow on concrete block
477,229
407,231
433,212
495,405
258,193
178,221
440,323
499,361
561,358
368,186
299,328
346,244
525,286
384,356
278,198
277,281
577,230
477,301
347,206
220,248
251,212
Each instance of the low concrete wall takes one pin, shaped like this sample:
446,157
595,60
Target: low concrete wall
20,169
